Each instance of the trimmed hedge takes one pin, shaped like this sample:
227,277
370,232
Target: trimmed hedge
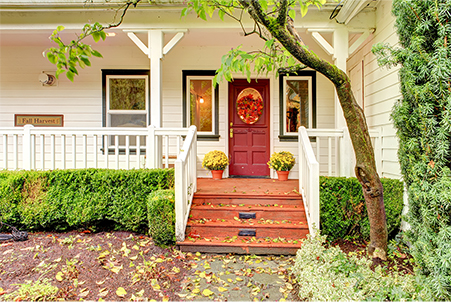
343,210
86,198
161,217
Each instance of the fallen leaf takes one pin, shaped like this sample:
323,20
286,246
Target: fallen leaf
103,292
195,291
2,291
100,282
59,276
121,292
155,285
222,289
239,279
206,292
165,299
83,292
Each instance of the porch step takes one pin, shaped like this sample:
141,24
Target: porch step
246,199
278,212
265,222
242,245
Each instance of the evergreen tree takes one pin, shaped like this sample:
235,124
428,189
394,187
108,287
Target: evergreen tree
422,118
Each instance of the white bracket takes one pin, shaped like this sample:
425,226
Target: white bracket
323,42
138,43
146,49
358,42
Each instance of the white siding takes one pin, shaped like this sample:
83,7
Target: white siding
381,88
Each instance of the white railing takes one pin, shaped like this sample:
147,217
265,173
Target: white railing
34,148
309,180
40,148
185,182
338,146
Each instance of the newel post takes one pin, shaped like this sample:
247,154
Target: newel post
27,147
150,148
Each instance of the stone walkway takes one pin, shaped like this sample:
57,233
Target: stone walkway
239,278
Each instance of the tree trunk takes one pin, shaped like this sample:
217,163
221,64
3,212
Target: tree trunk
365,170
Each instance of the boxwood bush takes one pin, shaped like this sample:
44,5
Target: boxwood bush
86,198
343,210
161,217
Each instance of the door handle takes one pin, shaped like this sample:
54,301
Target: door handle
231,132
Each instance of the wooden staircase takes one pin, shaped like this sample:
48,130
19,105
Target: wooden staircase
246,216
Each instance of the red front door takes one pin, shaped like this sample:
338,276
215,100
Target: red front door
249,128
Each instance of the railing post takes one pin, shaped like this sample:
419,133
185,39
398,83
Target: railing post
347,158
150,149
194,161
5,151
27,147
180,194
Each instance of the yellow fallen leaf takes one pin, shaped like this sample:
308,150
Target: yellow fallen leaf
239,279
100,282
116,269
222,289
135,247
229,280
133,258
155,285
59,276
176,269
195,291
159,260
206,292
165,299
121,292
202,275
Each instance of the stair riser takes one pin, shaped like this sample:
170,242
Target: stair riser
230,213
246,201
239,250
261,232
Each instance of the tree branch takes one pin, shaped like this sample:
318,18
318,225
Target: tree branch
283,12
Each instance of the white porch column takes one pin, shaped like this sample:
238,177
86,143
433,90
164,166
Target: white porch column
156,86
341,52
156,79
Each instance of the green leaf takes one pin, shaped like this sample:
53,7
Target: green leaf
95,53
103,35
96,36
52,58
221,14
292,14
70,75
85,60
60,28
304,9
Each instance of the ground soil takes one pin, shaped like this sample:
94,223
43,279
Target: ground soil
114,266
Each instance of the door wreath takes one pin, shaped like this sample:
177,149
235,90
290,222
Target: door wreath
249,106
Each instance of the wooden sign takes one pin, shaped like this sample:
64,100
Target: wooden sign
39,120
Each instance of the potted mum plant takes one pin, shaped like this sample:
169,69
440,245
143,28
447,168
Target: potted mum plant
282,162
215,161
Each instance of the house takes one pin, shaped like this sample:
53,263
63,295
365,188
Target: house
163,66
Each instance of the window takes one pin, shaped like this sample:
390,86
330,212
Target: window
125,101
200,103
297,103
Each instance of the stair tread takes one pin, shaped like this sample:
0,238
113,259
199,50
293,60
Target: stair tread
256,207
243,241
250,196
247,223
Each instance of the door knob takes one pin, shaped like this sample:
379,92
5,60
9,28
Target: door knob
231,132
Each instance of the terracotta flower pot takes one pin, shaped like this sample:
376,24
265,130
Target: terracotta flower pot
217,174
282,175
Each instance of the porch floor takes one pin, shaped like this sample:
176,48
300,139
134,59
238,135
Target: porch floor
248,186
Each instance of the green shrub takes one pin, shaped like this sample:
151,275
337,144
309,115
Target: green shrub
69,199
39,290
161,217
343,210
327,274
